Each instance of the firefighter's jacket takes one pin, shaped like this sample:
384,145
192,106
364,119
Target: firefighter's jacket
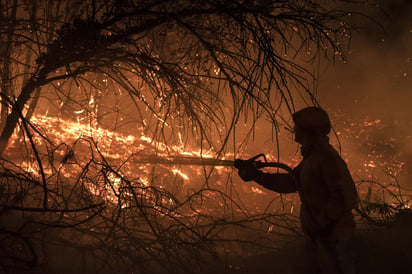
326,189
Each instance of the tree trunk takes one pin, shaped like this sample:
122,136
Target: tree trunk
17,107
5,72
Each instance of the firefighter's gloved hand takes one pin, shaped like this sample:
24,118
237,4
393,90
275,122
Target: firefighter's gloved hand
248,173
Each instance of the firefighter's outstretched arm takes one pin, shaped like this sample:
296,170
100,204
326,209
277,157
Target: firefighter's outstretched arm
278,182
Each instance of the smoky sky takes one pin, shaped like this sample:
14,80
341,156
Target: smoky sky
375,83
377,75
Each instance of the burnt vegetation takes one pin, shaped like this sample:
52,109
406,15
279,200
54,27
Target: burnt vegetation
183,72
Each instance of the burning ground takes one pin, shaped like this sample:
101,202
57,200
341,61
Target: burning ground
171,211
84,189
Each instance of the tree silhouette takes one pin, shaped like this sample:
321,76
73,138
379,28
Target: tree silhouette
186,55
179,69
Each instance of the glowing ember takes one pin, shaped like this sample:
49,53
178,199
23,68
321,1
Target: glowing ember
149,162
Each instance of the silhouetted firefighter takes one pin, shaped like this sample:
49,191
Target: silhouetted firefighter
326,189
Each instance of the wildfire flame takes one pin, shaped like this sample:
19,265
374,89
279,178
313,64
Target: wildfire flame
122,149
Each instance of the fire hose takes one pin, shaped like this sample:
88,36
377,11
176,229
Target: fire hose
252,162
238,163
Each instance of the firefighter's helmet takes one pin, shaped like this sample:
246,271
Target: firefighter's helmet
312,120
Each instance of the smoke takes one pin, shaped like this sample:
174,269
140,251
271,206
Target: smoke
375,84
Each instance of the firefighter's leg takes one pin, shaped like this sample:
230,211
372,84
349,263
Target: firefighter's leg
336,257
346,258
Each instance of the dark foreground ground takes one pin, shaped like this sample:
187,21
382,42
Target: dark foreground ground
378,250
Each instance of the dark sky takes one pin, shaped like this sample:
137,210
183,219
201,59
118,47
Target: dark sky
377,77
375,83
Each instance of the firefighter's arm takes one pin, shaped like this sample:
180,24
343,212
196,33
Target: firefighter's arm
278,182
343,195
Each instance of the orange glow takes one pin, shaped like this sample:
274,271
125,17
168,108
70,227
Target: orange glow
124,150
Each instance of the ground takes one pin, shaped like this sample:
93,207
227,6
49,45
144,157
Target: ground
378,250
